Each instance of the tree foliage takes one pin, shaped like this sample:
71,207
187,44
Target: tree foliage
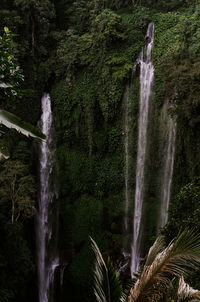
17,193
185,210
10,72
84,52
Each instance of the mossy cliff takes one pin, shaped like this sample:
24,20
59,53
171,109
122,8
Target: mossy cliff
90,124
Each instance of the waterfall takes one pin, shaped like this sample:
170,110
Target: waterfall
62,271
127,101
146,83
168,169
46,259
127,126
124,261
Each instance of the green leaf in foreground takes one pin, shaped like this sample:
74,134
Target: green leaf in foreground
12,121
107,287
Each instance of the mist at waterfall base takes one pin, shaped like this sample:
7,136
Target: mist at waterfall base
47,216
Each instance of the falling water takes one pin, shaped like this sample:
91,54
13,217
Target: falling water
168,170
127,155
125,260
146,83
47,263
62,271
127,146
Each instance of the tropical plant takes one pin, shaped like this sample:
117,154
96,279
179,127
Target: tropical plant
186,292
12,121
162,265
10,77
107,287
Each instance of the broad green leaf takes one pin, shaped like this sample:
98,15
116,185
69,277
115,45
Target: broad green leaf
12,121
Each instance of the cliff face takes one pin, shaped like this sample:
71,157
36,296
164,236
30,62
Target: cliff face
83,53
90,118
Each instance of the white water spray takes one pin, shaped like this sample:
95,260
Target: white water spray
146,83
127,155
46,266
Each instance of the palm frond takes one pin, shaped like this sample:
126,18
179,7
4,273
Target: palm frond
126,290
115,285
12,121
186,292
99,272
107,287
156,248
175,260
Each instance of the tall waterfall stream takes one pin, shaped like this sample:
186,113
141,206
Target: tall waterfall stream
127,156
146,83
47,260
169,154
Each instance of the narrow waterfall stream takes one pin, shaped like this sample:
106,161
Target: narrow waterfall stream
146,83
127,164
128,142
168,170
46,259
125,260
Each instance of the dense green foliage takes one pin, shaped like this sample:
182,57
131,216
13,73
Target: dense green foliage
17,195
83,52
18,187
10,71
185,210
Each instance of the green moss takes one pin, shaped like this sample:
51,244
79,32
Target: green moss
81,269
88,218
76,172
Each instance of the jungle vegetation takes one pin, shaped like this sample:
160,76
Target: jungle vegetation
83,52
